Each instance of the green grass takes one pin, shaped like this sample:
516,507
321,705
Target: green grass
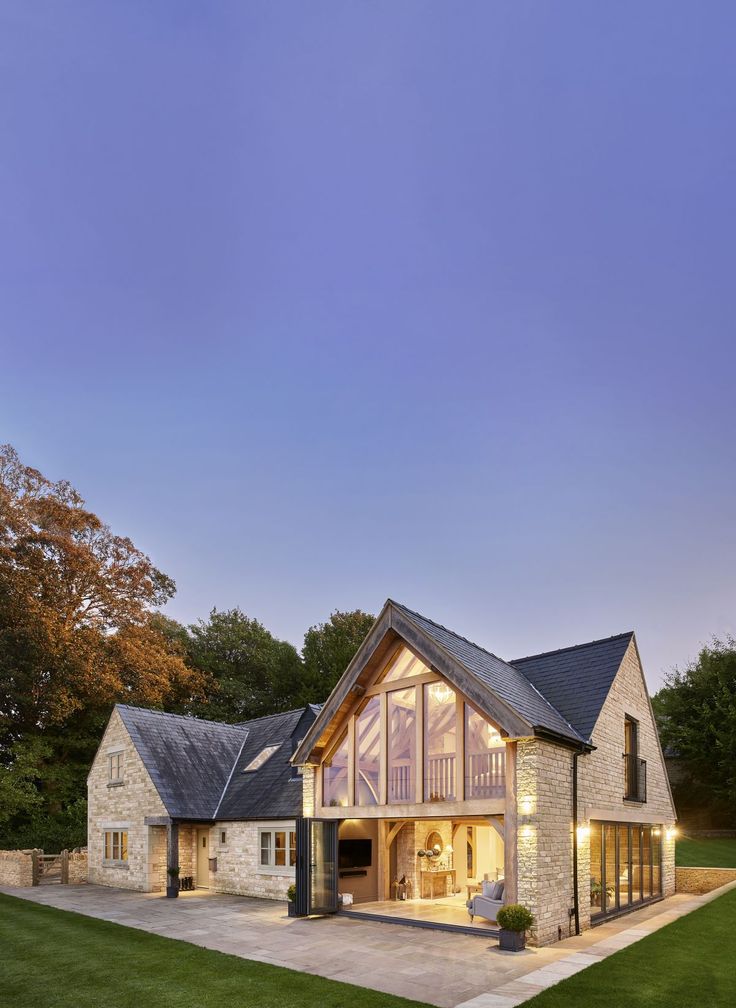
708,852
51,958
689,962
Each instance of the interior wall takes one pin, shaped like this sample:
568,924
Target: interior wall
488,859
364,888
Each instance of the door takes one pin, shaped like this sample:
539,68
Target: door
203,859
316,866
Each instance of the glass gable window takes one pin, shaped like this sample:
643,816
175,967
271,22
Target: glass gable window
440,742
335,776
485,758
404,664
368,753
402,743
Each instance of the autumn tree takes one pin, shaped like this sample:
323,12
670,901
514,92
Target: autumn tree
76,635
329,648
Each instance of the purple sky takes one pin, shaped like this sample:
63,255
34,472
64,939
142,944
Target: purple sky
325,302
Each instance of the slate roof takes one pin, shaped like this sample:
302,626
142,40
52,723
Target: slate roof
274,791
507,682
577,679
194,763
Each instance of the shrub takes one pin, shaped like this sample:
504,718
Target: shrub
514,917
173,872
291,893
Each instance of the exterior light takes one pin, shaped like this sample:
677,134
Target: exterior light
583,833
671,833
526,805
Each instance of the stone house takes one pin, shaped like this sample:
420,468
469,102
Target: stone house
433,767
218,800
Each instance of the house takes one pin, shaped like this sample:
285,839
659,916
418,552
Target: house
432,767
219,800
545,772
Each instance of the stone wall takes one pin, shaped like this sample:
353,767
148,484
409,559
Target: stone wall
121,806
238,868
77,867
544,841
309,788
16,868
412,838
702,880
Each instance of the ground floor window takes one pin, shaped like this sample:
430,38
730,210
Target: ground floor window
277,848
625,866
116,846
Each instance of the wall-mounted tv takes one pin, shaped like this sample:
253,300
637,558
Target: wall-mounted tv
356,853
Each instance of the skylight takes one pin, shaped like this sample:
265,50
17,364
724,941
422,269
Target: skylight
260,759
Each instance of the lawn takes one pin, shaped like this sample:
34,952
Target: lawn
689,962
55,959
706,852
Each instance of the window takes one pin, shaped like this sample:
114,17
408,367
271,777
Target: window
335,776
116,846
223,836
115,766
625,866
402,745
404,664
485,758
368,753
277,849
257,762
635,769
440,742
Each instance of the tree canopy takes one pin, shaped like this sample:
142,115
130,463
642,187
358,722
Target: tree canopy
696,716
329,648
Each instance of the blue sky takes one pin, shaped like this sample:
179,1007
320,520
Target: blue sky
327,302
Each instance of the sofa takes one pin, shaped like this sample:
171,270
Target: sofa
488,901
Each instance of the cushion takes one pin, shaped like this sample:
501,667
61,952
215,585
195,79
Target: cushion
494,893
487,889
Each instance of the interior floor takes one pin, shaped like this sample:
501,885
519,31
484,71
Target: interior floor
450,910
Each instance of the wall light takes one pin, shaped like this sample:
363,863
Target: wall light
671,833
583,832
526,805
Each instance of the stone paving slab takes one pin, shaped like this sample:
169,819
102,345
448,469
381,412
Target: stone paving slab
438,967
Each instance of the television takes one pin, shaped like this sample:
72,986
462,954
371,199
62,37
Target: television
355,853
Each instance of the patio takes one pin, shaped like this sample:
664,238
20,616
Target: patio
441,968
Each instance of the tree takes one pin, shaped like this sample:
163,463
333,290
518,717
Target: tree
76,635
251,672
328,650
696,717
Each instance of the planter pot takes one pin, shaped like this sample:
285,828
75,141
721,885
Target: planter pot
512,941
291,908
172,891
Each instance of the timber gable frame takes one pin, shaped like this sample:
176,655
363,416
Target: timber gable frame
398,625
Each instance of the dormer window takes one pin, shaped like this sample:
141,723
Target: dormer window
260,759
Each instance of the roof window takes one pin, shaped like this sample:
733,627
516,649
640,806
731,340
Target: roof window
260,759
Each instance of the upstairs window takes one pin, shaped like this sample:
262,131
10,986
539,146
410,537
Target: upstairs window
115,767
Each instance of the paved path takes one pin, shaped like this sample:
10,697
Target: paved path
442,969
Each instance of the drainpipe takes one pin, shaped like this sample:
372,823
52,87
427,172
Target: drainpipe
575,900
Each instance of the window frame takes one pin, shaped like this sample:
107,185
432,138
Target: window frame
119,841
116,761
270,830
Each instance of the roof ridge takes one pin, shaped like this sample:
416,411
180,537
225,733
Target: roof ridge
503,661
573,647
189,718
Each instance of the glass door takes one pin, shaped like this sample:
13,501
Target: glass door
316,866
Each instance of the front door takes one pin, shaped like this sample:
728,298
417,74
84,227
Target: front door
203,855
316,866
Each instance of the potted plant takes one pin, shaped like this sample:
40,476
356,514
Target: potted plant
291,898
514,921
172,886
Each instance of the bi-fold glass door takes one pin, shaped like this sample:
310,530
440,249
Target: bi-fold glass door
316,866
625,866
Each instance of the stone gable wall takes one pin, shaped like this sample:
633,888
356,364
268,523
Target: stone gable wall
121,806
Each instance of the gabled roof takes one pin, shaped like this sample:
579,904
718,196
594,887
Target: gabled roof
194,763
504,680
274,791
189,760
577,679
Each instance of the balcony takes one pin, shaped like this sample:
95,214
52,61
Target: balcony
635,778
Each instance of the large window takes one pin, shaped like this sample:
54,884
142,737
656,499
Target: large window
335,776
485,758
403,665
440,742
116,846
402,745
277,849
625,866
368,753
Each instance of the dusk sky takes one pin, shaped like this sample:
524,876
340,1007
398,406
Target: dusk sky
322,303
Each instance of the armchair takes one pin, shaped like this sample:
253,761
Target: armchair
488,902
